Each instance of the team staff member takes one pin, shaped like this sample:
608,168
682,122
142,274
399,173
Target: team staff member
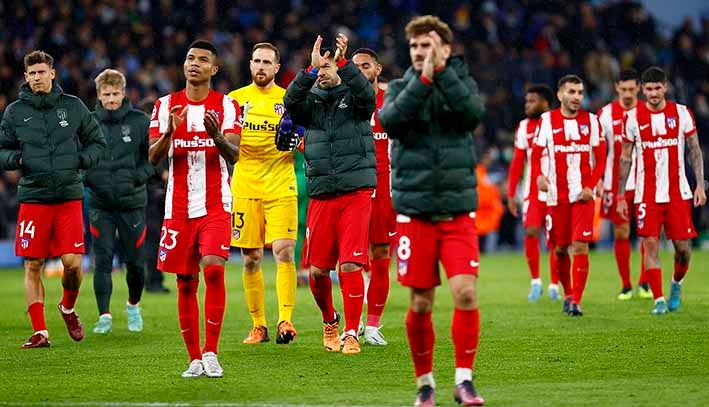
265,208
341,170
50,136
117,197
430,114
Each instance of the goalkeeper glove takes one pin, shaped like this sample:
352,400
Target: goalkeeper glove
287,134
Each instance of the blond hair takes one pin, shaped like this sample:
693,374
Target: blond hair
110,77
424,24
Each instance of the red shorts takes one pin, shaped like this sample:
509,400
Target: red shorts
533,212
183,242
423,243
49,230
675,216
569,222
338,229
608,207
382,225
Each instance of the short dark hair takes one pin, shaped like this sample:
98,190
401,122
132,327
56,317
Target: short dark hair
366,51
38,57
267,45
628,75
654,74
571,78
204,44
544,91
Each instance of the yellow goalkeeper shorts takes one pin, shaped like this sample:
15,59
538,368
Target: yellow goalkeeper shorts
256,223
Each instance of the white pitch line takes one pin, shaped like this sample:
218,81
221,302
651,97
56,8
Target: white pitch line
167,404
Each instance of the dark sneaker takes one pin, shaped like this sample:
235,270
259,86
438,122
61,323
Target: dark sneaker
425,397
567,305
466,395
36,341
286,332
575,310
73,324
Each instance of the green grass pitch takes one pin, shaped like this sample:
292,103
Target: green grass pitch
530,354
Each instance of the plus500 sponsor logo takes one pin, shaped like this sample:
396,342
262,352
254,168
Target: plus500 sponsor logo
195,143
265,126
380,135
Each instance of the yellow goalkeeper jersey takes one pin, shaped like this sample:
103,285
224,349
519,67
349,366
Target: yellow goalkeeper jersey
262,172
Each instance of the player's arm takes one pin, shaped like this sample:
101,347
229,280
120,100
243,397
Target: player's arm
160,145
10,151
91,138
541,140
516,168
624,163
695,156
226,142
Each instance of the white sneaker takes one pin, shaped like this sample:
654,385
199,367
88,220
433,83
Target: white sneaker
373,336
211,365
196,369
553,292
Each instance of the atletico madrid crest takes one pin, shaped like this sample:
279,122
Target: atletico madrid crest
162,254
671,122
584,129
279,108
236,234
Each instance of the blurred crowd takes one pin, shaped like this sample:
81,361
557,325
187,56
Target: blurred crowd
508,43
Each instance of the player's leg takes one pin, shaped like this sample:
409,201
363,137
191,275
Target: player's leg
377,293
558,225
621,248
247,232
103,230
553,290
682,256
254,295
421,337
213,237
132,230
286,284
651,217
531,252
582,214
643,286
321,254
460,257
281,232
353,237
188,312
68,242
32,239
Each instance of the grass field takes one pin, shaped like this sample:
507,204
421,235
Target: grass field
617,354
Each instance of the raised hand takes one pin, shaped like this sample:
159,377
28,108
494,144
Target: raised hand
443,51
341,50
211,123
317,60
429,64
176,117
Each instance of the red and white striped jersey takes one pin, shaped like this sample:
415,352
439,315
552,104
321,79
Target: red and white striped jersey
381,148
571,144
198,180
524,140
612,118
659,139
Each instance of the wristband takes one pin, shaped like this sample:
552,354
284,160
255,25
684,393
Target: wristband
312,71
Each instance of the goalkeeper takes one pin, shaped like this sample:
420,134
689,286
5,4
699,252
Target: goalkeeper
265,210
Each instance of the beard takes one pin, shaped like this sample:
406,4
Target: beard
262,80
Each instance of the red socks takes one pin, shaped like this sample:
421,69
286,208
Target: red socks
378,290
352,286
643,276
553,267
214,302
36,311
622,259
188,311
680,271
69,298
563,265
465,330
579,277
654,278
419,331
321,288
531,251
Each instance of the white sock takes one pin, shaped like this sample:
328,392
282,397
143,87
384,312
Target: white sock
66,311
132,305
351,332
678,282
553,286
107,315
44,332
536,281
462,374
426,379
659,299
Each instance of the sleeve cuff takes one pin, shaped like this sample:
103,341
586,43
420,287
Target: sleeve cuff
342,62
312,71
440,68
426,81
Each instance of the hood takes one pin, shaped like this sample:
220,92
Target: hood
41,100
113,115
